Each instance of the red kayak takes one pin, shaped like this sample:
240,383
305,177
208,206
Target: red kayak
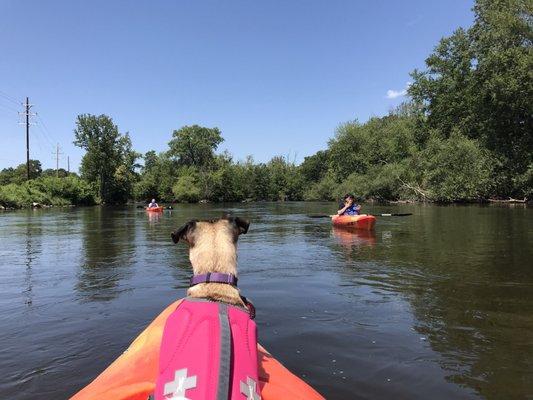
154,209
362,221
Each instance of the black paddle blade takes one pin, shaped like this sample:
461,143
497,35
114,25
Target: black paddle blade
374,215
392,215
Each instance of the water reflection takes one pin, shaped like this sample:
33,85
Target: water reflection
108,237
32,250
351,238
153,217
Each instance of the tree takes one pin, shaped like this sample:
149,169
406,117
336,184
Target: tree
445,88
150,161
286,182
195,145
61,172
479,82
315,167
322,190
187,189
158,175
261,182
18,175
109,162
457,169
358,147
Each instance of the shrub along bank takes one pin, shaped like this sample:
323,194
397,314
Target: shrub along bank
70,190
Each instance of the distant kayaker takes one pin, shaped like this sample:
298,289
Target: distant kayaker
153,204
348,206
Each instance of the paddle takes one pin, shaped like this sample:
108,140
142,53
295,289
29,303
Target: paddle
374,215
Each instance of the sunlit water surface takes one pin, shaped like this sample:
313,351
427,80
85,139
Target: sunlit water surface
438,305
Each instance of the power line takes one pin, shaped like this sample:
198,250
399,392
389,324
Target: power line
38,139
49,138
9,108
44,132
7,113
10,98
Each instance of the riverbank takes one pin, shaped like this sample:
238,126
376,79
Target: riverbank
64,202
47,192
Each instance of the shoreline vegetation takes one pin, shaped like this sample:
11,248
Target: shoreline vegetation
465,134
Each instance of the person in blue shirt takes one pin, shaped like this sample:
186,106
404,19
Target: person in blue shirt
348,206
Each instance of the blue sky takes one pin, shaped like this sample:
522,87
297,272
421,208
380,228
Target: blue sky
277,77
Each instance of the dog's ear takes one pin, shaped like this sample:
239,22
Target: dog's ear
184,232
241,224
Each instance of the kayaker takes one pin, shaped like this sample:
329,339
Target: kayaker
348,206
153,204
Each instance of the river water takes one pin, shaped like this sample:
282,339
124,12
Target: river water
437,305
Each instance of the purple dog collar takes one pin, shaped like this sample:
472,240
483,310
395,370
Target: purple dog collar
214,277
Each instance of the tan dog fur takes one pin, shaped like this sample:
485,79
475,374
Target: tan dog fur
213,248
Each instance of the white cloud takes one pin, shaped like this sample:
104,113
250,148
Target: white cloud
392,94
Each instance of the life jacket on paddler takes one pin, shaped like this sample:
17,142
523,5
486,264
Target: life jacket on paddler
209,350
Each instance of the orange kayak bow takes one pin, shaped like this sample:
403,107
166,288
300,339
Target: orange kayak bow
132,376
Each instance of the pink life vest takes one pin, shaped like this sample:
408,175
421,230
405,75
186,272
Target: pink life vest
208,352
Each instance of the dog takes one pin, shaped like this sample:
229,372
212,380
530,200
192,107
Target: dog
209,344
213,248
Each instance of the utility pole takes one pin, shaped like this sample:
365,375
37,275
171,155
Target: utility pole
27,138
68,164
27,107
57,153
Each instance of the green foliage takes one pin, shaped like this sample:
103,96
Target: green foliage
48,191
381,182
194,145
286,182
479,81
230,183
324,189
61,172
19,174
109,162
357,147
157,177
457,169
187,189
260,182
315,167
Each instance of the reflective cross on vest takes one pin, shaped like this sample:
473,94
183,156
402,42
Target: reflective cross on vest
175,390
249,389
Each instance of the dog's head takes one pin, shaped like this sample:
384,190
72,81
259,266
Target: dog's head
213,248
218,230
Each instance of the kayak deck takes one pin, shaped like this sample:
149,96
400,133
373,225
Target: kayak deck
362,221
132,375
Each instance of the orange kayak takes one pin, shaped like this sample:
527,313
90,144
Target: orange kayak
154,209
362,221
132,376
